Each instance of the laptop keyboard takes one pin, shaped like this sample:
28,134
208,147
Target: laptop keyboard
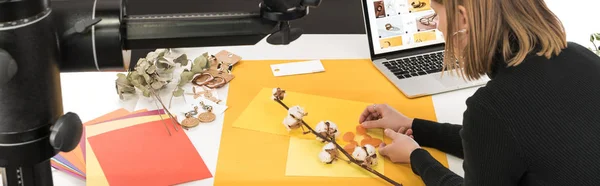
416,65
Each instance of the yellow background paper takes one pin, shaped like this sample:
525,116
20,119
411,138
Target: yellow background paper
95,175
303,161
393,41
250,157
425,36
265,115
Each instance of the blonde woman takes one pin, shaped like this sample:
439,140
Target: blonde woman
536,122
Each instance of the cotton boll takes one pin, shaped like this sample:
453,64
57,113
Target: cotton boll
329,153
297,112
290,123
328,147
370,149
325,157
372,155
359,154
333,130
321,127
327,129
373,162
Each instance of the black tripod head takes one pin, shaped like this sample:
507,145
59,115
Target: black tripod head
284,11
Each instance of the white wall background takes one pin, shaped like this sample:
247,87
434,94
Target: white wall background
580,18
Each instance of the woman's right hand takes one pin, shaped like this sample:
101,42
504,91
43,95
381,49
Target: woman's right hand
385,117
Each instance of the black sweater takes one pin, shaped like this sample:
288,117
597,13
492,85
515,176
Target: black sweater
534,124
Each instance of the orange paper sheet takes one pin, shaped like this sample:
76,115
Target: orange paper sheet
96,176
146,154
250,157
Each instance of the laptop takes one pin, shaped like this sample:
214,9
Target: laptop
407,48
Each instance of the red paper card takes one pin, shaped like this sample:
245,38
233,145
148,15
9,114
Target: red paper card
133,114
145,154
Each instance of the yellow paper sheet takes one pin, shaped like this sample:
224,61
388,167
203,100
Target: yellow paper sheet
303,161
265,115
95,175
252,158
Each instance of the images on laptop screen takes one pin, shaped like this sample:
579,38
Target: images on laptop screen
402,24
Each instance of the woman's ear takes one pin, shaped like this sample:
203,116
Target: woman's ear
462,20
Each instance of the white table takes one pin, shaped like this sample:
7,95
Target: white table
92,94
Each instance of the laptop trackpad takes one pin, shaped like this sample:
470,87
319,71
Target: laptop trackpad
450,80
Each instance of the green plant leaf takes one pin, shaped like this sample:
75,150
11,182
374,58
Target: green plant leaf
133,75
199,64
151,69
136,79
164,77
186,77
597,35
162,66
147,79
122,79
123,85
169,70
166,61
142,67
146,92
183,60
136,82
161,52
156,85
152,56
592,38
179,92
140,61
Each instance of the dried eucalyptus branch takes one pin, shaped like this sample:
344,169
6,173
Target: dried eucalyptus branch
278,97
153,72
593,39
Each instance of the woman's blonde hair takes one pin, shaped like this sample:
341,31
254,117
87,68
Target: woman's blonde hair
509,28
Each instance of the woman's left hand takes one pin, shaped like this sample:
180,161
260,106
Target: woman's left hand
401,147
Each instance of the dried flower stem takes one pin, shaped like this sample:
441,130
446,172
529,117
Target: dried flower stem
172,95
166,110
350,158
163,121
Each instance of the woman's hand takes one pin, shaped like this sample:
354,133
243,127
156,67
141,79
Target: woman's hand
384,116
401,147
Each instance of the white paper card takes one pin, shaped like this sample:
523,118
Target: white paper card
295,68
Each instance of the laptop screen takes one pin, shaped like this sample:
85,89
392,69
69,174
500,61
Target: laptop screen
402,24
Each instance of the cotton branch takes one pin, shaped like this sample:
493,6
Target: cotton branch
350,158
